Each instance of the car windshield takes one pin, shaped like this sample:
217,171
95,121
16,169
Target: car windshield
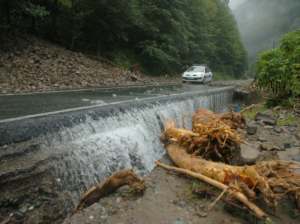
196,69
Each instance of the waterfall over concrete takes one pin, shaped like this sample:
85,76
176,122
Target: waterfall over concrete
74,157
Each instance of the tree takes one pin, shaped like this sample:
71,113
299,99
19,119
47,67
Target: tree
162,36
278,70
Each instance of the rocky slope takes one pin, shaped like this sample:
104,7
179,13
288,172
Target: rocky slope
28,64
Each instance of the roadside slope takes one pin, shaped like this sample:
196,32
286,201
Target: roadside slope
28,64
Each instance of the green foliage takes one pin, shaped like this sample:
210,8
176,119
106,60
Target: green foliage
278,70
163,36
35,11
222,76
251,113
289,120
263,22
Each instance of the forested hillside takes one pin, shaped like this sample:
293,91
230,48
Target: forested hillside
161,36
262,23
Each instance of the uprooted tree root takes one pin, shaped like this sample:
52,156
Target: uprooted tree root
111,184
272,180
213,136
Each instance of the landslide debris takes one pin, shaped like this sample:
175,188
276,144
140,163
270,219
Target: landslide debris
29,64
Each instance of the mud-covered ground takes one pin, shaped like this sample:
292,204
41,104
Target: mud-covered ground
171,199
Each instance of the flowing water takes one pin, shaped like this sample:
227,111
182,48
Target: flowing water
79,156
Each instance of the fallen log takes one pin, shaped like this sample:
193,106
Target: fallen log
236,194
110,185
264,178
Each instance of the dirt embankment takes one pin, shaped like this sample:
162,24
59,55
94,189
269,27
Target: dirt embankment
29,64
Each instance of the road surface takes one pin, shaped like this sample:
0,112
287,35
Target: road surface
12,106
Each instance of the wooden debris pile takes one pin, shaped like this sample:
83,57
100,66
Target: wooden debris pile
211,135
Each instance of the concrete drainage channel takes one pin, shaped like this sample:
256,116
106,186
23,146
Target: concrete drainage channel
48,160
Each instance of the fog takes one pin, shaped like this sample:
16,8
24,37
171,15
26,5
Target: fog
235,3
262,23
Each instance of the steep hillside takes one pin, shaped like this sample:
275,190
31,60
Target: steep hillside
29,64
161,36
263,22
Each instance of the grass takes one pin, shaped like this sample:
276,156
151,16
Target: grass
220,76
289,120
250,114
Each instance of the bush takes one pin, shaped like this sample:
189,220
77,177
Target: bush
278,70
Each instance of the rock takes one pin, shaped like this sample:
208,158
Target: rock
249,153
277,108
269,127
269,147
118,200
133,78
291,154
287,145
278,130
251,129
292,129
265,118
179,221
261,138
181,204
267,156
202,214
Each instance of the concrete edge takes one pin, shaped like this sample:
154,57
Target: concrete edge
20,129
116,88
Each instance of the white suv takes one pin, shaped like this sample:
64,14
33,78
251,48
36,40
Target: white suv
197,73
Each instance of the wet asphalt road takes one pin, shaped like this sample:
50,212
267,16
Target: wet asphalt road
12,106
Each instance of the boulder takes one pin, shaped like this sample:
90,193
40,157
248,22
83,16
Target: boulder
249,153
265,118
251,129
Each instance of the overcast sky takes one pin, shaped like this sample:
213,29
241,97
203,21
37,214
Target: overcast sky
236,3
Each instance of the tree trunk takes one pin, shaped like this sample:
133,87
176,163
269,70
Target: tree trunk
54,19
7,12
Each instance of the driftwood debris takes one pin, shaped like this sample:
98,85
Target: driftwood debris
213,136
264,178
111,184
205,153
238,195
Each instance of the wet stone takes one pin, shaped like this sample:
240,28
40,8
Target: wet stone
269,147
278,130
179,221
251,129
287,145
265,118
262,138
249,153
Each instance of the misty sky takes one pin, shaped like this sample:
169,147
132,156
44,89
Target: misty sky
236,3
